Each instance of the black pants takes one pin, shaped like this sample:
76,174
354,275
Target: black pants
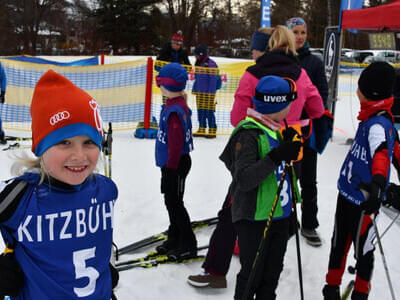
308,183
180,230
222,242
347,219
270,260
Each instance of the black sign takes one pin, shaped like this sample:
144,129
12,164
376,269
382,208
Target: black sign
331,61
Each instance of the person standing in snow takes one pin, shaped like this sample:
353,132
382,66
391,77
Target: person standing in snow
308,182
173,52
256,156
56,217
362,182
204,87
173,144
222,241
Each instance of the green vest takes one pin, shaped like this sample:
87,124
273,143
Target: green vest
268,188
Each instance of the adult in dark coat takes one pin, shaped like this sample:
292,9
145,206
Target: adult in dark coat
173,52
316,72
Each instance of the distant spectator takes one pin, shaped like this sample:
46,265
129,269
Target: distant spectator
206,76
173,52
3,84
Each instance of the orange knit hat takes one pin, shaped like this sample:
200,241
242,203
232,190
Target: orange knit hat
61,110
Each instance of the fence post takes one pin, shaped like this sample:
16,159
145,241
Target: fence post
102,59
149,87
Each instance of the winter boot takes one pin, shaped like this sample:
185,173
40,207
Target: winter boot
182,253
331,292
207,280
166,246
2,138
356,295
200,132
311,236
212,133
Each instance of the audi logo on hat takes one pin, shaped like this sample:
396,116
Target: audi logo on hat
63,115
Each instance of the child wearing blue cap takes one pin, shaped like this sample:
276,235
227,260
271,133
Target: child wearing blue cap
173,144
256,155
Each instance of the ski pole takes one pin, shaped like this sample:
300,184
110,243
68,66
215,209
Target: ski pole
260,250
383,257
109,147
294,195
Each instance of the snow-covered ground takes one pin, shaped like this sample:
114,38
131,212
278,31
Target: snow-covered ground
140,212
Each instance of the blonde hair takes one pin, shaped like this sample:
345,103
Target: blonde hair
282,37
27,163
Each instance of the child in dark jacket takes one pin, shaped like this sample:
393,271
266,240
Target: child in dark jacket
173,144
205,87
366,167
256,155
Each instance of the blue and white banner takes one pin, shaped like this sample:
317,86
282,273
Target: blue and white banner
265,13
349,4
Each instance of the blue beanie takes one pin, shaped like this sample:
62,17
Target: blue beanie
259,41
294,22
201,50
274,94
173,77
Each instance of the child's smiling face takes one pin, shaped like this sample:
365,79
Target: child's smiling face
72,160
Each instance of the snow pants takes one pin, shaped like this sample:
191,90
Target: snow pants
346,231
270,260
222,242
180,231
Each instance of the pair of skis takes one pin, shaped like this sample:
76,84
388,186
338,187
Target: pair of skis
153,258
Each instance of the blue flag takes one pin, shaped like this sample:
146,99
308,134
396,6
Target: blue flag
349,4
265,13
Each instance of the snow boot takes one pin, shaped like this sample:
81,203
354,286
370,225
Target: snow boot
331,292
212,133
166,246
182,253
311,236
201,132
356,295
207,280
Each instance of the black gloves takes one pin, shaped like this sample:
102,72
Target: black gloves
375,194
393,196
289,149
2,96
169,180
11,276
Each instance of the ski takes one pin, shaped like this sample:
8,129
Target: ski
347,291
163,236
150,256
391,212
15,146
159,260
17,138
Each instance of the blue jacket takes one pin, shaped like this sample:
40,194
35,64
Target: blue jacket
3,79
162,134
205,81
357,166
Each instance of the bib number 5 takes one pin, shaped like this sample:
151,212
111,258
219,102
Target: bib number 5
81,270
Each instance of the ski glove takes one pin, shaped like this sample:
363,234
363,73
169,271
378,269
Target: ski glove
114,280
169,180
393,196
11,276
289,134
375,194
287,151
2,96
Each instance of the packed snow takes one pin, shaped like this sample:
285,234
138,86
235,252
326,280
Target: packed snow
140,212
